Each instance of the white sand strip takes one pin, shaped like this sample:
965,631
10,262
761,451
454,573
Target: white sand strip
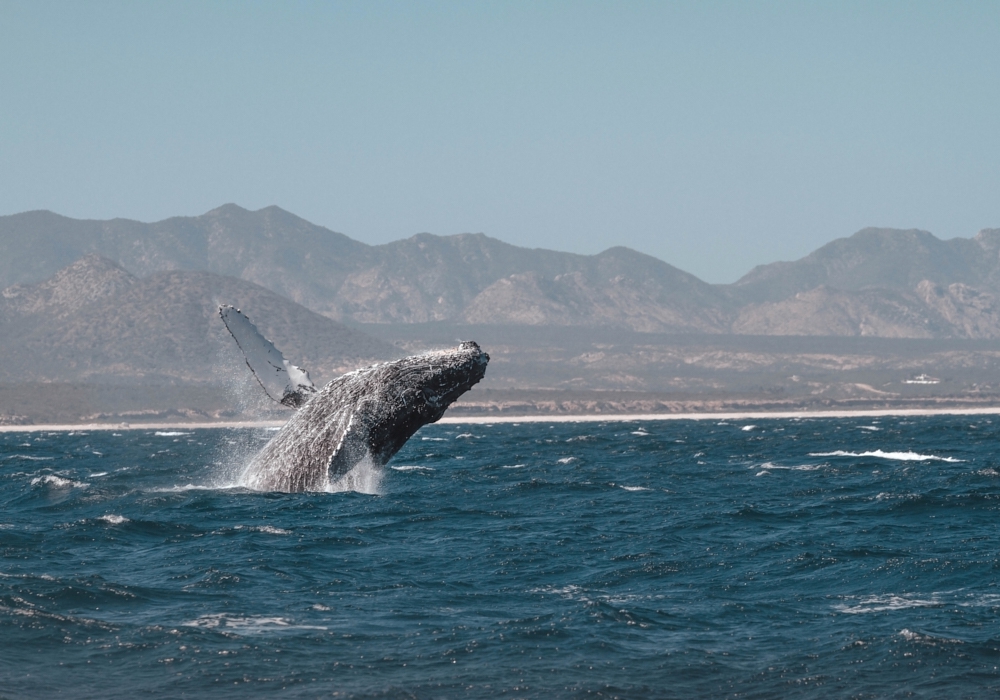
590,418
83,427
760,415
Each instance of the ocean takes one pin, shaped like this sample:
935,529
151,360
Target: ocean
778,558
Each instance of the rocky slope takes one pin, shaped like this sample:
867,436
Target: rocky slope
880,282
93,321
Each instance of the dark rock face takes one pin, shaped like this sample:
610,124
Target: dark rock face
369,413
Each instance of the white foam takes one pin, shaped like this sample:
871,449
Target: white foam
873,428
794,468
252,624
412,468
364,477
267,529
900,456
96,474
58,482
748,427
434,439
112,519
195,487
566,460
884,603
911,636
30,458
635,488
512,466
464,435
169,433
639,432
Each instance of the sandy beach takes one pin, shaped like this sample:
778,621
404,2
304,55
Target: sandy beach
487,420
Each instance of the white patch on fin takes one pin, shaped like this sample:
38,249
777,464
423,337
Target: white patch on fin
281,380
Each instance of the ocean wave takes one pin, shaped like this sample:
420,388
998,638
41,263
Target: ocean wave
169,433
30,458
912,636
566,460
748,427
251,624
112,519
884,603
794,468
900,456
194,487
412,468
266,529
634,488
58,482
639,432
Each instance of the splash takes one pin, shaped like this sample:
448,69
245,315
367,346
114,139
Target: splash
364,477
234,454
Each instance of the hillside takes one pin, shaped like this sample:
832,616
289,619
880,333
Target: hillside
94,321
881,282
879,258
422,278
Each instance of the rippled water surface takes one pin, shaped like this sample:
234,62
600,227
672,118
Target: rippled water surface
789,558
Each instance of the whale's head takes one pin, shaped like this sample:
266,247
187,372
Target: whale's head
447,375
417,390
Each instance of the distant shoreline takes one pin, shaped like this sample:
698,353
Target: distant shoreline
588,418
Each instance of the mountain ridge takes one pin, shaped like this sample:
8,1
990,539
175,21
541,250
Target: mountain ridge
163,328
897,283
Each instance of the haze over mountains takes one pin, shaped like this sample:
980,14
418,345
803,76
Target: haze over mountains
878,282
95,322
118,320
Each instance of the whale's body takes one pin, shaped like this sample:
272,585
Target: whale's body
369,413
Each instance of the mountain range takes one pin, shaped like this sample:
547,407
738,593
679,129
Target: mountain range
93,321
878,282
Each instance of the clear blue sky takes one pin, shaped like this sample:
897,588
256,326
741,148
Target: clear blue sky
713,135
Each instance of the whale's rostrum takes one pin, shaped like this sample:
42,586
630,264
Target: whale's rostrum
369,413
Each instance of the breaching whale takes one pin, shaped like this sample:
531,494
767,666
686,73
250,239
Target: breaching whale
369,413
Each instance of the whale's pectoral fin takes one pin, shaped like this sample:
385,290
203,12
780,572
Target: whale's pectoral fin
353,448
281,380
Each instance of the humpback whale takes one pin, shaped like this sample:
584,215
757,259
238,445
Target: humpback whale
369,413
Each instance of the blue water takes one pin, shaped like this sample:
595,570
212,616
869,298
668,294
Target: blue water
657,559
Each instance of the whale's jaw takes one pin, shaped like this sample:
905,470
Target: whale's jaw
370,412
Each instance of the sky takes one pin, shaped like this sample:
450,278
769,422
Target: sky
713,135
